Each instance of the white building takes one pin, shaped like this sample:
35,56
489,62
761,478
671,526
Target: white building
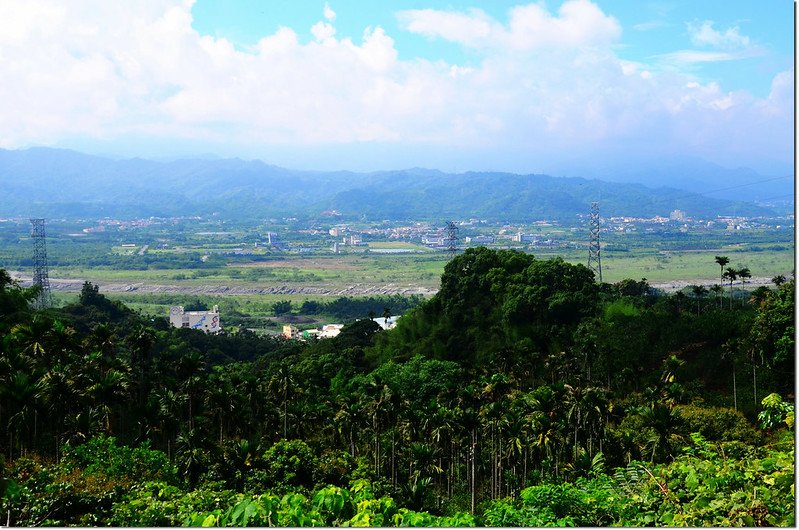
479,240
207,321
386,323
677,215
525,238
330,330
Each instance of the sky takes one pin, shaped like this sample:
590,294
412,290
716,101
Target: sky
454,85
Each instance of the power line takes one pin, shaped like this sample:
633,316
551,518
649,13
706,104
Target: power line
776,197
737,186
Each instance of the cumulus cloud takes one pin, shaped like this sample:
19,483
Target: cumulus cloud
706,35
329,14
578,23
545,83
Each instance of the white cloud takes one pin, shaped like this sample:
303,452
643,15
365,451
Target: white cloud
469,29
706,35
323,31
649,26
329,14
684,57
578,23
545,84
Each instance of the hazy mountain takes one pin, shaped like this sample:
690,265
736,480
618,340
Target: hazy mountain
695,175
56,182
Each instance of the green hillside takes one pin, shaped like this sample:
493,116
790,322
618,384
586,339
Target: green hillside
522,394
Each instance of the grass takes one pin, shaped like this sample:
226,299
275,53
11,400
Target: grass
399,245
666,266
399,269
425,270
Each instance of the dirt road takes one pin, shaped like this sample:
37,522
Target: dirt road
358,289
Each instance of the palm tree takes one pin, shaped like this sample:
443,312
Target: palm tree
62,340
679,297
731,275
699,292
19,391
169,406
31,338
664,421
778,280
722,262
717,290
281,382
744,274
191,455
219,401
106,390
102,339
346,420
56,389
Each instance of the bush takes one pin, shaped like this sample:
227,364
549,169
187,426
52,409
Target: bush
290,465
102,455
718,424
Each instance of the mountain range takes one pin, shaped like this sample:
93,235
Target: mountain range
62,183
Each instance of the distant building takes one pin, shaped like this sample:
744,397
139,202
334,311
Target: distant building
274,242
433,240
207,321
290,332
386,323
329,331
677,215
524,238
479,240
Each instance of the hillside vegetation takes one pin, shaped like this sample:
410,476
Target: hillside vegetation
69,184
522,394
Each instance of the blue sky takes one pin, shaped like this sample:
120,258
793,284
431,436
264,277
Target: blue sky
651,30
453,85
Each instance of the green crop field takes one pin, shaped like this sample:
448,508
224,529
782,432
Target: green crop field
336,272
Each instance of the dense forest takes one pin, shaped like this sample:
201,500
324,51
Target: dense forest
522,394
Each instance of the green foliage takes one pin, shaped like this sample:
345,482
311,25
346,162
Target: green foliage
419,379
620,308
514,391
282,307
701,487
101,454
717,424
585,503
159,504
771,339
489,300
290,465
775,412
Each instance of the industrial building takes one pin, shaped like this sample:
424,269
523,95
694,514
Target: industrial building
207,321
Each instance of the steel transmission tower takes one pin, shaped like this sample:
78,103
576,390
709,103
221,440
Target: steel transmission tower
594,258
451,242
40,275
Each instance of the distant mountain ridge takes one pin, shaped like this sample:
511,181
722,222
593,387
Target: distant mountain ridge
696,175
55,182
